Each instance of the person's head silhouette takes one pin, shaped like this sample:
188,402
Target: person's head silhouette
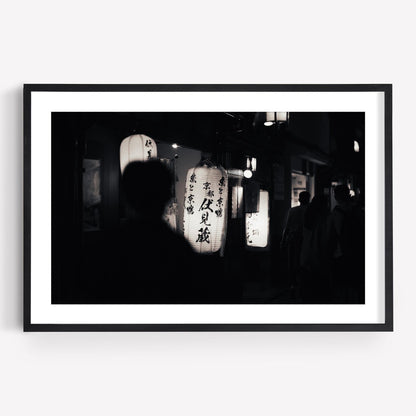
147,187
342,194
304,197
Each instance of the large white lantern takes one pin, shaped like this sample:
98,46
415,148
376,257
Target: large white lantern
137,148
257,223
205,208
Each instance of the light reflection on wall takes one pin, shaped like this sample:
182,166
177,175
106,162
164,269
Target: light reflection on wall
186,159
136,148
236,202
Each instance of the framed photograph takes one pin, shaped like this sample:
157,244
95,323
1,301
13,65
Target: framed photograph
208,207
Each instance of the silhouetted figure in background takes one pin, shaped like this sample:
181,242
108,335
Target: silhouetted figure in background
315,285
347,221
292,238
157,265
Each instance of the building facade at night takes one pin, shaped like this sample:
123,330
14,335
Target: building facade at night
239,173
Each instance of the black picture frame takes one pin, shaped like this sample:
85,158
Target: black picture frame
386,89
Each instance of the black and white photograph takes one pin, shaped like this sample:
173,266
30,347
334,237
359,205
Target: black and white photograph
208,207
180,205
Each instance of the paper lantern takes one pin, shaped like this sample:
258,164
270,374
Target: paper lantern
257,223
276,118
170,214
205,208
137,148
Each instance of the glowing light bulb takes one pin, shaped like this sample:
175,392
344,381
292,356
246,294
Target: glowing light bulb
175,146
248,173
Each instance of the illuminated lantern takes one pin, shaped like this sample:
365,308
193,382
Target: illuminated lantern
257,223
136,148
276,118
356,146
205,207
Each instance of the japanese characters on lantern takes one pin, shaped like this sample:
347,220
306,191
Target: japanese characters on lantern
137,148
257,223
205,208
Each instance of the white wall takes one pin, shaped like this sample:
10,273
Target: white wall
206,373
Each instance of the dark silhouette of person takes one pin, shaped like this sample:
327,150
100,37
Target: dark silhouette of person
347,221
292,239
315,285
157,265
